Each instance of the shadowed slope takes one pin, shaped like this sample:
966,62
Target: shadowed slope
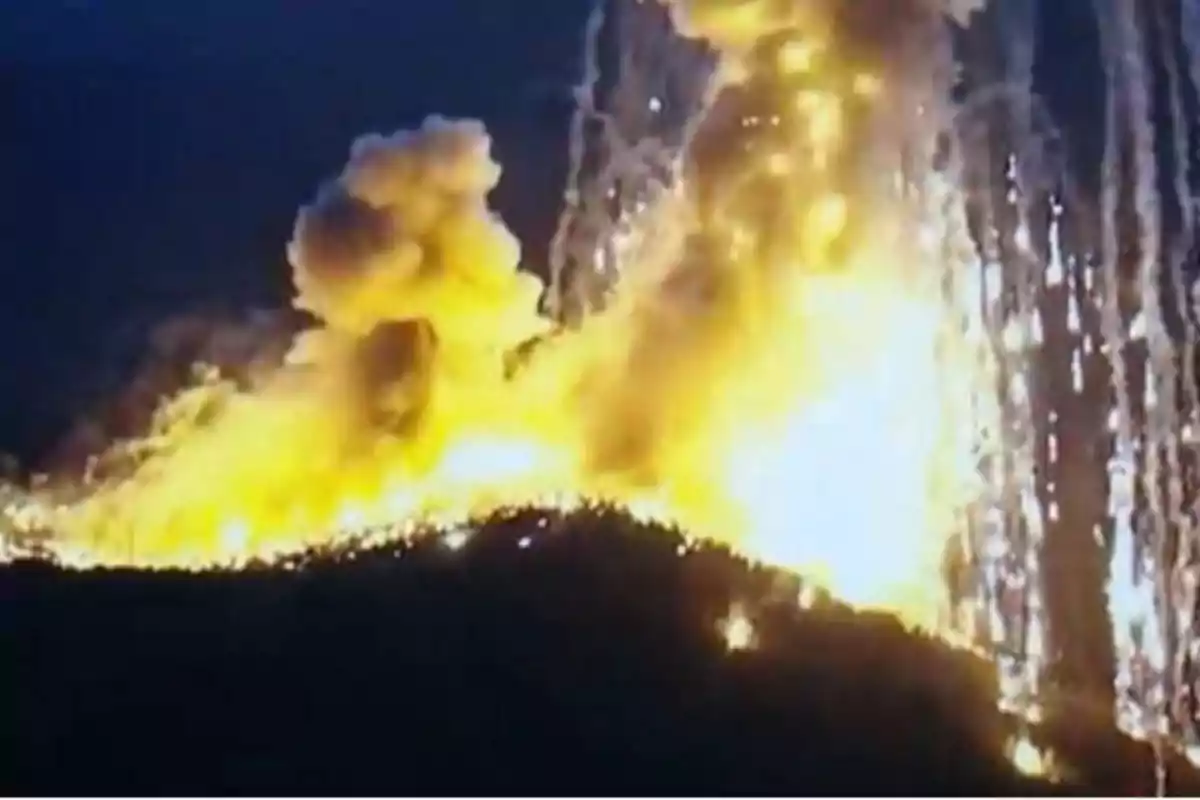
546,654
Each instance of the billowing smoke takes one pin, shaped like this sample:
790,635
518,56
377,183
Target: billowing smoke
418,300
408,270
736,28
732,25
231,349
405,234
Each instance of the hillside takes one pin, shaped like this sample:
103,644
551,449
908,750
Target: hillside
563,655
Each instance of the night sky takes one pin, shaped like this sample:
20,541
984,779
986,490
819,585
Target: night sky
154,155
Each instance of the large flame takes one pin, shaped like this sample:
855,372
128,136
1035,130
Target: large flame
778,370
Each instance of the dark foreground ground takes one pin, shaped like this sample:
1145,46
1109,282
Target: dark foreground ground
588,661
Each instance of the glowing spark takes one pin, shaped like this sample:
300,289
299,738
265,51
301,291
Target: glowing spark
457,539
737,630
1028,758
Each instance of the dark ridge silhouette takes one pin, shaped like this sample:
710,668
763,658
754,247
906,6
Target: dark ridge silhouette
550,654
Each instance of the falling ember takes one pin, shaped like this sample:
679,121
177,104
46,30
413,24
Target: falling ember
1028,758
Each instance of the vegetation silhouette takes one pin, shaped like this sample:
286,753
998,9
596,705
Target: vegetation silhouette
547,653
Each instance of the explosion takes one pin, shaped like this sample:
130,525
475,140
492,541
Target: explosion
832,321
780,367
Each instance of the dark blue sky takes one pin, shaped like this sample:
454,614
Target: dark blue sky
258,30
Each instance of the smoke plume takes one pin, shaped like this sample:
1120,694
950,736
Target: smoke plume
405,234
